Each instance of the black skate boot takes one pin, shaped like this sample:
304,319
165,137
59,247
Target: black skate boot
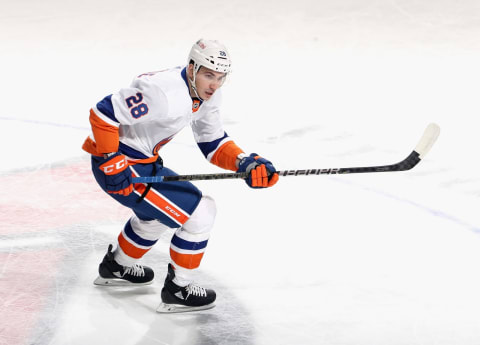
112,273
177,299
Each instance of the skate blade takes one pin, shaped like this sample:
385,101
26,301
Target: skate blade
164,308
117,282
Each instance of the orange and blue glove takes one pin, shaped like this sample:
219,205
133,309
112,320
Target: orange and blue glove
118,175
261,172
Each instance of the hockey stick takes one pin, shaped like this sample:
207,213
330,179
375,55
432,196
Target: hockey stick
429,137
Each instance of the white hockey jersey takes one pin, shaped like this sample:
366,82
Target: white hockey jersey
139,120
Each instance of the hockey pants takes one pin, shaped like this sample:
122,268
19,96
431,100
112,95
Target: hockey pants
175,205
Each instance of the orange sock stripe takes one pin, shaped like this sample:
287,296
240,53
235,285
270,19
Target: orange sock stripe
189,261
130,249
226,156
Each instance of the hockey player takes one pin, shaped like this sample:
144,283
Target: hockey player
129,128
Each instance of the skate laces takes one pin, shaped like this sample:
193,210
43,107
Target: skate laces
135,270
196,290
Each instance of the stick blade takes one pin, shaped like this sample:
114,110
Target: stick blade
429,137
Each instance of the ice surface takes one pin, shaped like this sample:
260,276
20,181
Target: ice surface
363,259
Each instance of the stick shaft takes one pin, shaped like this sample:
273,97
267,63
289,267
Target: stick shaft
426,142
406,164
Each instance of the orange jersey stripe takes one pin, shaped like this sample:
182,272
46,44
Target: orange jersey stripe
129,249
91,147
143,161
189,261
226,156
163,205
106,135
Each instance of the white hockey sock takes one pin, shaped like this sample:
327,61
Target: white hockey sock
138,236
123,259
182,275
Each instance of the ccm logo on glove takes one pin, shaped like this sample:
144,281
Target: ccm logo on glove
117,174
115,165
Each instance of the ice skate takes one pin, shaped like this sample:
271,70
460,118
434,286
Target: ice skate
177,299
113,274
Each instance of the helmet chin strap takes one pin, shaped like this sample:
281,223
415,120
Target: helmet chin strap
193,83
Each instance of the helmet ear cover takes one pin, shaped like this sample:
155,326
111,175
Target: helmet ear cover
196,66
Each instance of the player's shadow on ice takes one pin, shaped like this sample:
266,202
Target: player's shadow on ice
228,323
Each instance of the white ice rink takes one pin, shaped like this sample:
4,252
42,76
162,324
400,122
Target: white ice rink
373,259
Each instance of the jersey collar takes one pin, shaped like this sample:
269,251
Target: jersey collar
196,102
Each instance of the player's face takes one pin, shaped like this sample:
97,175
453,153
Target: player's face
208,81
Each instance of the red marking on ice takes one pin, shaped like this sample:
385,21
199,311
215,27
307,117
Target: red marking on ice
27,280
36,201
54,197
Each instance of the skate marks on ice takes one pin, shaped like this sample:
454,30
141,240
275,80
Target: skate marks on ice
44,123
53,237
294,134
126,315
351,148
58,303
475,228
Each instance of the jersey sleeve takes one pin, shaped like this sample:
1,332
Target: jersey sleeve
215,144
105,127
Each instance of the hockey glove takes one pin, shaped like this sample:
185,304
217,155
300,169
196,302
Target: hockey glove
261,172
118,175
